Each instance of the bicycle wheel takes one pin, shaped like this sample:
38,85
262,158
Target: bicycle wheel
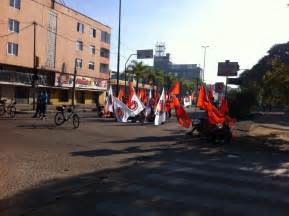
12,112
75,121
2,110
59,118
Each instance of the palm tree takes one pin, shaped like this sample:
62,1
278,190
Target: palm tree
137,69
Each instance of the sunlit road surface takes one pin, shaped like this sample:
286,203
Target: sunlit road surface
107,168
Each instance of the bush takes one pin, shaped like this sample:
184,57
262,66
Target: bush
241,103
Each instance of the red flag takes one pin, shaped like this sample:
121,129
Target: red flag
176,89
121,93
211,94
131,90
202,98
224,108
182,116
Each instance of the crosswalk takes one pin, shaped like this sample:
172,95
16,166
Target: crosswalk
196,187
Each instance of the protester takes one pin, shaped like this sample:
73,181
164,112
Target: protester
38,105
43,105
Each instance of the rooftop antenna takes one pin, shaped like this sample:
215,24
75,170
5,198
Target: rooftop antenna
160,49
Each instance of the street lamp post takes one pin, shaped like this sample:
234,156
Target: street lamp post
125,71
204,65
118,52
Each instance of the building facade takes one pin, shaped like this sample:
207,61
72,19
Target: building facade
43,44
163,62
186,71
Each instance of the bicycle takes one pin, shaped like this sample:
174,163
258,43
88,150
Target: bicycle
9,109
65,114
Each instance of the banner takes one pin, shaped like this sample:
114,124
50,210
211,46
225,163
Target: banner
66,80
160,114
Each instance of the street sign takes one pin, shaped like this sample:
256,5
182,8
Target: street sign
145,54
228,68
219,87
234,81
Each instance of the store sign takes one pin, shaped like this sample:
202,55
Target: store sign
66,80
228,68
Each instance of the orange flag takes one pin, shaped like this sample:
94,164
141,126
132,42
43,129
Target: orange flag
121,93
182,116
176,89
202,98
211,95
224,108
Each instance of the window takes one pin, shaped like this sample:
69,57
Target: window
80,27
78,63
92,32
104,68
92,49
104,53
105,37
79,45
91,65
15,3
12,49
13,25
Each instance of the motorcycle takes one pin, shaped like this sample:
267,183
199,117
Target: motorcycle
218,134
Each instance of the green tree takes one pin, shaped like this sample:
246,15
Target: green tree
137,69
276,81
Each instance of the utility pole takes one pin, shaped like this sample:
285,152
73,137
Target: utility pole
204,65
35,75
73,87
118,52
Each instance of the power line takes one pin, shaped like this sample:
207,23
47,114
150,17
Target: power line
7,35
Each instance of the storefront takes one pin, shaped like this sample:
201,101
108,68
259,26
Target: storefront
17,85
88,90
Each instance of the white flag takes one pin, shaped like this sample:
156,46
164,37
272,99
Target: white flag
109,100
187,101
121,111
137,106
160,114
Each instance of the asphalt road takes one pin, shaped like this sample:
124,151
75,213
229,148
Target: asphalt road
107,168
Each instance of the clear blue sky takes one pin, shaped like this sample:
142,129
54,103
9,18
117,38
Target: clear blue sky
239,30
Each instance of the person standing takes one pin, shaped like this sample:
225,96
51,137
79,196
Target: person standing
38,106
43,105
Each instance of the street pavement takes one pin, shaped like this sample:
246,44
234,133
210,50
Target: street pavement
107,168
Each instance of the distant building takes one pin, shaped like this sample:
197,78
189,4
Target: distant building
64,40
162,62
186,71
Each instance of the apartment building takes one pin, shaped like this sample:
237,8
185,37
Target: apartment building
43,43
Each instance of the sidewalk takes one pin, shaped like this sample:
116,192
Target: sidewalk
25,108
274,125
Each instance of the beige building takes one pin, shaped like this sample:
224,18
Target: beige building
62,40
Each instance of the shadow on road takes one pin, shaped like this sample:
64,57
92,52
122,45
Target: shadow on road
162,183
